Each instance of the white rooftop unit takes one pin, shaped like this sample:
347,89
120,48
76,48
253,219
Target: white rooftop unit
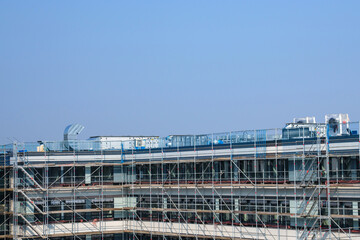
126,142
304,120
338,124
300,127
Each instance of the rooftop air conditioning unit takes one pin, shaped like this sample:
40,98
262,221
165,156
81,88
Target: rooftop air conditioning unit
338,124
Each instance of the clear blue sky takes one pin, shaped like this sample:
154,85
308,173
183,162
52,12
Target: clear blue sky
174,67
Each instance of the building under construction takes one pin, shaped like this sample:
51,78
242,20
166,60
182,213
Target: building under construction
297,182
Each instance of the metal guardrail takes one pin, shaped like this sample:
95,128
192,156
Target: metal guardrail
174,141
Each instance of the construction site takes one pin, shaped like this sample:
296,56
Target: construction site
301,181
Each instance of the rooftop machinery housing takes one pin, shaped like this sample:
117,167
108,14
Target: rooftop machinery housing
297,182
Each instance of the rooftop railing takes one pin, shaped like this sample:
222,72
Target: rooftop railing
175,141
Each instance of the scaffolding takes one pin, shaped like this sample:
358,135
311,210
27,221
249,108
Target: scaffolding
257,184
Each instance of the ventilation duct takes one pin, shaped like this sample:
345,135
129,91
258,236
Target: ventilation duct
70,136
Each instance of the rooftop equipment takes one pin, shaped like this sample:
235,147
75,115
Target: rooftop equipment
338,124
304,120
126,142
300,127
70,135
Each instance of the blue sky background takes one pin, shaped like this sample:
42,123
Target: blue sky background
174,67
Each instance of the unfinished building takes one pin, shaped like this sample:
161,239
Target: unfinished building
297,182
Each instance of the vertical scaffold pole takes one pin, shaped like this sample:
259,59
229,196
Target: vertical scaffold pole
255,185
46,187
73,187
150,189
15,193
232,205
277,184
178,190
162,190
102,223
132,225
303,171
212,182
328,180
